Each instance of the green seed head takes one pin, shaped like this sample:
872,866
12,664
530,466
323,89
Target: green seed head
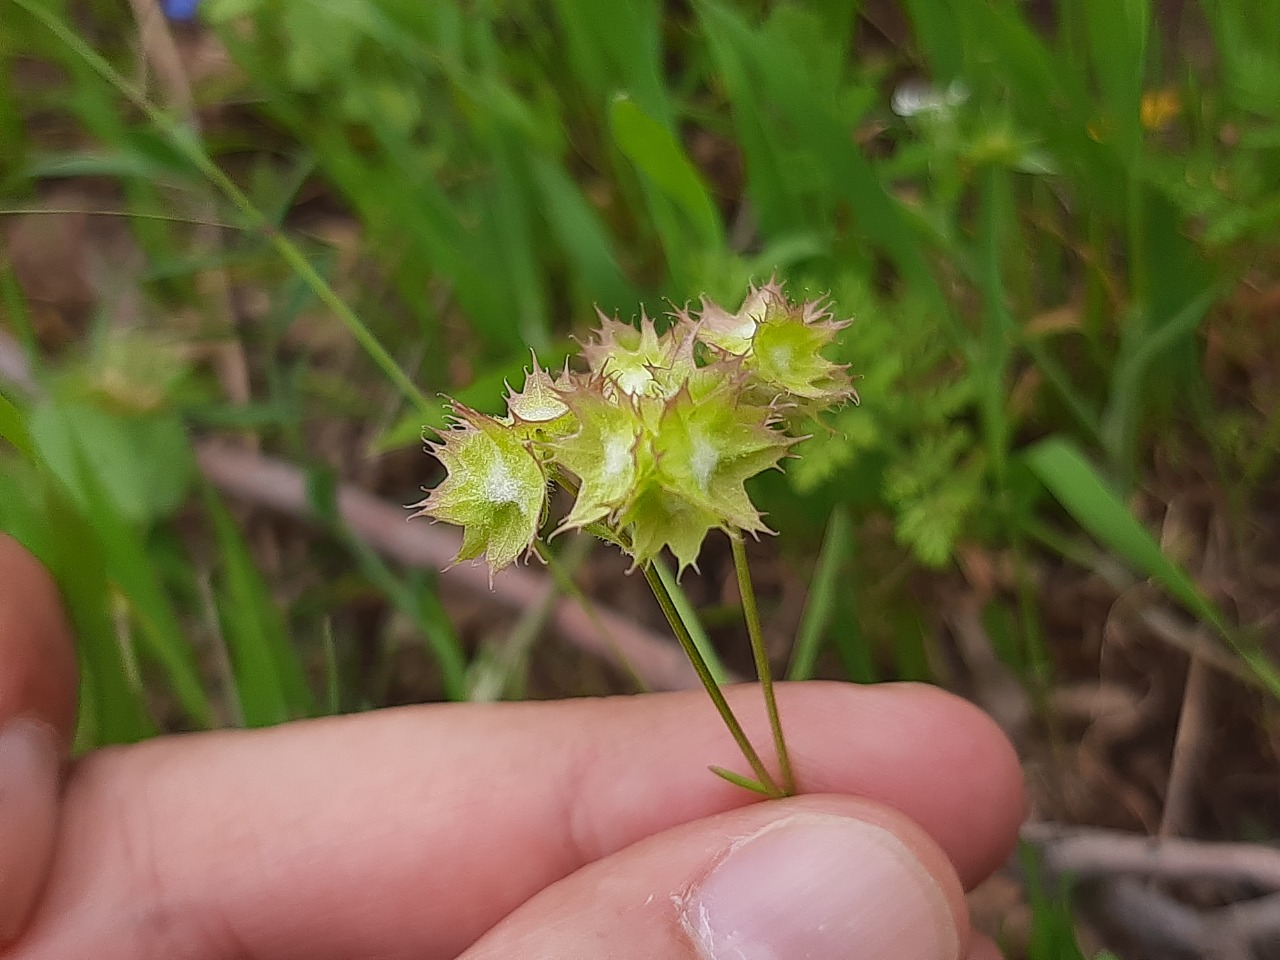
495,488
657,438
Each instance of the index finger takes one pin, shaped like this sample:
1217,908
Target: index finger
37,660
37,717
411,832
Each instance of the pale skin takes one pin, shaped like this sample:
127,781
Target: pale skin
499,831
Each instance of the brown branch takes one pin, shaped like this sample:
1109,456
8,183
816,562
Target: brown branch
1190,743
1164,925
1089,852
1128,894
1254,919
385,527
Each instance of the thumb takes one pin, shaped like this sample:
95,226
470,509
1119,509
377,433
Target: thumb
819,877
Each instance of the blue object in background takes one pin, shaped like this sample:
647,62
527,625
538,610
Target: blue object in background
181,9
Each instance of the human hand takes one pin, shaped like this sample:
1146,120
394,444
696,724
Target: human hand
585,828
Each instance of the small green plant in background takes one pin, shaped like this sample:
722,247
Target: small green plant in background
655,441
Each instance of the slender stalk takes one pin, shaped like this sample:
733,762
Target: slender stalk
752,615
690,618
708,681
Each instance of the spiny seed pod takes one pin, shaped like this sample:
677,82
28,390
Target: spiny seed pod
781,344
639,361
700,453
538,412
602,452
495,489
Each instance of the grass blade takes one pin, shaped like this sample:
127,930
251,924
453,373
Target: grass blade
192,149
820,604
1077,486
40,515
270,682
418,600
14,429
662,161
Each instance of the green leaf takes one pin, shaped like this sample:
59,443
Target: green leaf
142,465
96,469
148,164
1117,32
656,154
417,597
579,231
130,567
321,41
39,515
13,428
1084,495
820,604
224,11
738,780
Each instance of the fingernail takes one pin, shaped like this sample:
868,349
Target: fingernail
822,888
29,768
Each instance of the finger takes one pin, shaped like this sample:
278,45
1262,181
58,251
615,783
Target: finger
37,714
983,948
821,877
410,832
37,659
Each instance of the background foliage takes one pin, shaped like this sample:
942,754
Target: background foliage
1053,224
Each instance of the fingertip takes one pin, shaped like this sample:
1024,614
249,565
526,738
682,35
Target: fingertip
30,774
828,886
926,751
993,780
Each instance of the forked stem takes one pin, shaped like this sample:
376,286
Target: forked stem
763,671
708,681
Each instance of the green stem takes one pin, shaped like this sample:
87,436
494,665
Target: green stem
708,681
765,674
690,617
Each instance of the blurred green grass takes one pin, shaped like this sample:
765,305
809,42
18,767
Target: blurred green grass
515,165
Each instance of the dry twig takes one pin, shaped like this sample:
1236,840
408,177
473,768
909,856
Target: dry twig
1128,872
282,487
1089,852
1165,926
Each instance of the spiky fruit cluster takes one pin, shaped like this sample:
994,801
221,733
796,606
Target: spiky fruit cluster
656,438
